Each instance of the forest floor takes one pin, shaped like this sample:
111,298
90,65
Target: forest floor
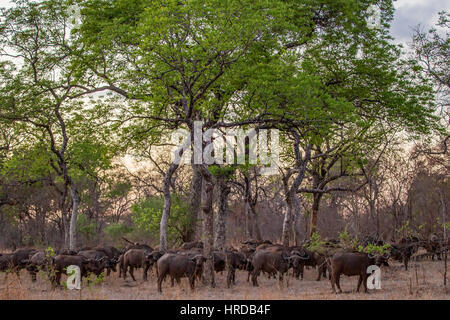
423,280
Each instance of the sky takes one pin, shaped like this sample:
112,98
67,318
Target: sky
408,14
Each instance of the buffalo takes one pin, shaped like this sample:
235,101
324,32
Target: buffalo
234,260
353,264
21,258
6,262
136,258
312,259
179,265
191,245
271,261
61,262
109,263
38,261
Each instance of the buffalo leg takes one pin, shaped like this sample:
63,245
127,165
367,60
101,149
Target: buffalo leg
359,283
160,280
132,273
255,278
229,277
333,280
145,271
338,283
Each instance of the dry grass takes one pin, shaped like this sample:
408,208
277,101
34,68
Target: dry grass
423,280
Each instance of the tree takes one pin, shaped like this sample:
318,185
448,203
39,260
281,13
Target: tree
40,90
431,56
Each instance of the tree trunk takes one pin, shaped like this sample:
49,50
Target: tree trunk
247,226
208,232
73,219
224,191
65,225
296,225
163,239
314,213
194,227
291,192
255,224
287,220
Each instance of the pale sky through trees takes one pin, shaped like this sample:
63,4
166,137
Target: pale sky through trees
408,14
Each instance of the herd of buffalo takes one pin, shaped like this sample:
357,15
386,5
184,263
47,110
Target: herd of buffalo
188,261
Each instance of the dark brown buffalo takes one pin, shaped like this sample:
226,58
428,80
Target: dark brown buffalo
61,262
270,261
100,255
403,252
6,262
434,246
234,260
255,243
67,252
21,258
191,245
110,251
38,261
136,258
178,266
314,259
353,264
138,245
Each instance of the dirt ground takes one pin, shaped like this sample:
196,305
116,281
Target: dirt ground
423,280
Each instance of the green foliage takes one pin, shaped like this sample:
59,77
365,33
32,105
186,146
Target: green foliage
86,227
375,249
146,215
92,279
50,252
226,171
406,230
347,241
315,242
117,230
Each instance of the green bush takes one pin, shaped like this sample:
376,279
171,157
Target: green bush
375,249
146,215
117,230
86,227
316,243
347,241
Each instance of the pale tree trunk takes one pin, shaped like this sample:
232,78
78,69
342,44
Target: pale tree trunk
223,192
208,232
292,203
66,230
194,227
287,222
445,244
73,219
163,239
296,226
248,208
